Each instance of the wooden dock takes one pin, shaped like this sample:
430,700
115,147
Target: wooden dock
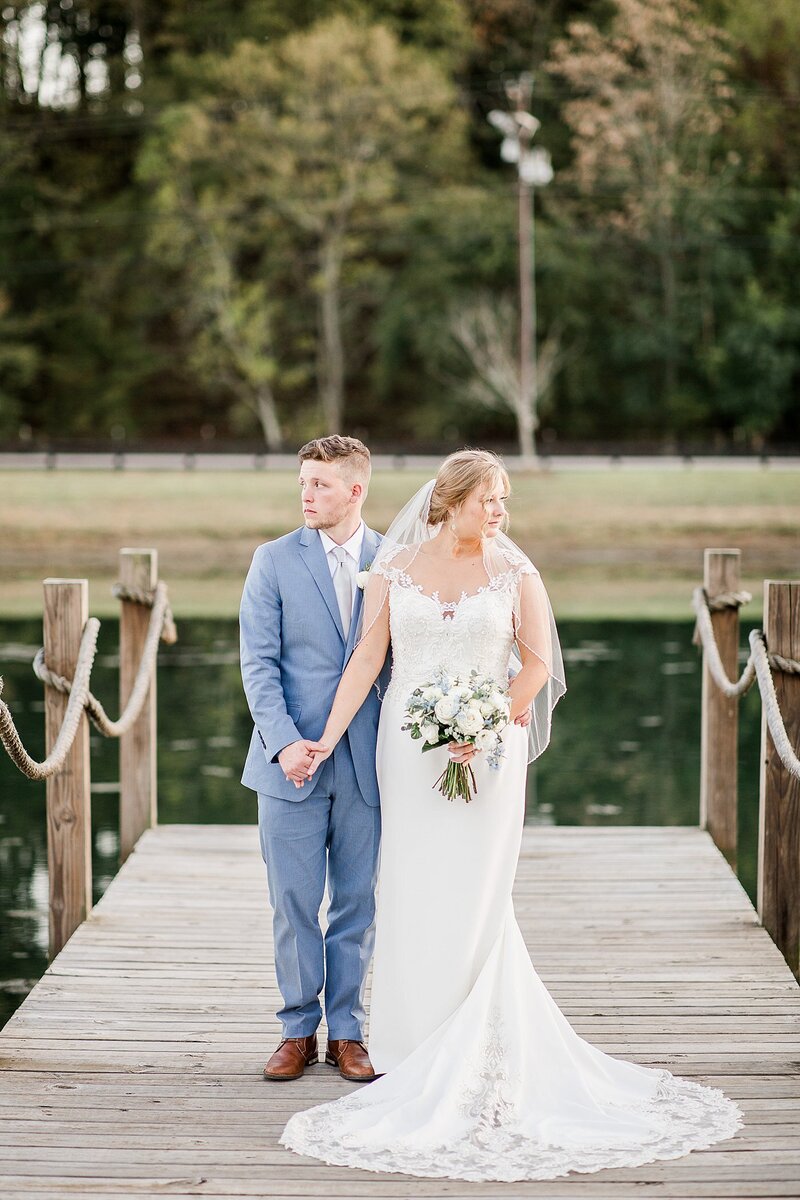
134,1067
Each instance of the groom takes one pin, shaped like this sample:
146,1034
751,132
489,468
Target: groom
298,619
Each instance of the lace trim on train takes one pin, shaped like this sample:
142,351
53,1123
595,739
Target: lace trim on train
685,1115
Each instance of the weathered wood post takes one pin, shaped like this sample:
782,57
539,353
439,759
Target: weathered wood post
137,751
720,713
69,830
778,894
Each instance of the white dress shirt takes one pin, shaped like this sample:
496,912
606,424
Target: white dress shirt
352,546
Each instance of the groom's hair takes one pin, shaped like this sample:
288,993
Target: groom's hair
351,455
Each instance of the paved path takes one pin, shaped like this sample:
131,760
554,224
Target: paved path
154,461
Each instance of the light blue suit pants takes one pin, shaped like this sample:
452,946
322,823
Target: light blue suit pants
332,831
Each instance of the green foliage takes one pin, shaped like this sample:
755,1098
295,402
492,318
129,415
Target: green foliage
204,207
277,194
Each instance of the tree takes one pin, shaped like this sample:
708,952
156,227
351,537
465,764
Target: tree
652,98
484,332
320,137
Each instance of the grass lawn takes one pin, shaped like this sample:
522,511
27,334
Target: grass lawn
617,543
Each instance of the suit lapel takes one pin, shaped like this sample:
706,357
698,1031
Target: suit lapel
314,558
369,548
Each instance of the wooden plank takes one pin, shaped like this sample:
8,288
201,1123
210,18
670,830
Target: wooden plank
134,1066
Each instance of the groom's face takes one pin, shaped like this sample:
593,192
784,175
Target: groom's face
327,495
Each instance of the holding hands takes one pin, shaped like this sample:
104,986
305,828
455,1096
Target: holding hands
296,760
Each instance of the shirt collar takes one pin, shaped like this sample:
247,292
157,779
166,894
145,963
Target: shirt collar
352,545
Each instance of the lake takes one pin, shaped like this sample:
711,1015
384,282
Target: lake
625,750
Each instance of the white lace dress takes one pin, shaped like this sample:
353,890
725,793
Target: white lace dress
484,1078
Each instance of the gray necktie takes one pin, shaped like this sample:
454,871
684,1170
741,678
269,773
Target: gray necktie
343,586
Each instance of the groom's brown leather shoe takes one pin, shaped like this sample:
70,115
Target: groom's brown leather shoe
351,1058
292,1057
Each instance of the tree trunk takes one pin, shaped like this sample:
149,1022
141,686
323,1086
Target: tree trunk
524,417
669,292
331,352
268,416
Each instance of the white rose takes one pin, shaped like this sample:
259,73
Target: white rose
432,694
500,701
469,721
487,708
486,740
446,708
361,579
430,732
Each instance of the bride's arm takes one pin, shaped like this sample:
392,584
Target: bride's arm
362,670
527,683
532,631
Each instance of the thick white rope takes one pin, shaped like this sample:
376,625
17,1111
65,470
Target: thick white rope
759,666
94,708
69,726
704,635
161,627
761,661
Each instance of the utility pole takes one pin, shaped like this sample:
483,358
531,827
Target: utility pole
533,169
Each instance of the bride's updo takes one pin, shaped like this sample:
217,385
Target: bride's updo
460,474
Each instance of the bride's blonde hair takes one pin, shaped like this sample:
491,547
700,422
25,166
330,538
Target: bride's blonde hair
460,474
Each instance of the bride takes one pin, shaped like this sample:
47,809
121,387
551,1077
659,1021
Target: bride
481,1075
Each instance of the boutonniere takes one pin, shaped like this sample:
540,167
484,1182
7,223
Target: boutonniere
363,576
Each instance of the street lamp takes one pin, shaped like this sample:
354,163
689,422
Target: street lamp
534,169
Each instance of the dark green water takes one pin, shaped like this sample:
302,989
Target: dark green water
625,751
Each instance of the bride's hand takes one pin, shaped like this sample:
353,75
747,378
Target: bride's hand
462,751
318,757
524,718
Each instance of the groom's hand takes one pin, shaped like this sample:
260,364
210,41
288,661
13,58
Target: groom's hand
296,759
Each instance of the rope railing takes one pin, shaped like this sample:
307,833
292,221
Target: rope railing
69,726
160,628
759,667
763,662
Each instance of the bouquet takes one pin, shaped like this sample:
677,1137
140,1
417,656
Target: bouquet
452,709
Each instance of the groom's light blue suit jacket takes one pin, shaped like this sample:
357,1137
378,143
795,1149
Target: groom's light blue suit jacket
293,652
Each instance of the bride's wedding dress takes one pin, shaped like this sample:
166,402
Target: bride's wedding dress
484,1078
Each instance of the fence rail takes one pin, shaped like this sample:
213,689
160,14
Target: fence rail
64,664
774,664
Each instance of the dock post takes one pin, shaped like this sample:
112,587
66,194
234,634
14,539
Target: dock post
778,895
720,713
137,752
69,827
